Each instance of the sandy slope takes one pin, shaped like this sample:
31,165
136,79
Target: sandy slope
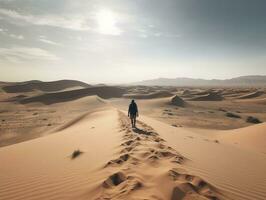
52,86
239,173
197,114
252,137
141,162
208,97
59,97
254,101
42,168
24,122
158,94
155,161
252,95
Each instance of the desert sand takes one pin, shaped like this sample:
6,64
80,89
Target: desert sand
70,140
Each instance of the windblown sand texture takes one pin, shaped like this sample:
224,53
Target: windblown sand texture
76,142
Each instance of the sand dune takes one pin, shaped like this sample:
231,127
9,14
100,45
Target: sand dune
96,176
186,92
52,86
252,95
252,137
236,173
46,168
77,145
209,97
17,97
235,91
178,101
254,101
57,97
153,161
197,114
158,94
202,93
25,122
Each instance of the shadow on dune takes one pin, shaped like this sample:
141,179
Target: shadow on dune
252,95
212,96
158,94
57,97
178,101
30,86
141,131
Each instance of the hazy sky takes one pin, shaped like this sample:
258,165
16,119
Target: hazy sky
118,41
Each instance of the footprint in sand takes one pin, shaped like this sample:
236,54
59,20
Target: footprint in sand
120,185
188,185
139,146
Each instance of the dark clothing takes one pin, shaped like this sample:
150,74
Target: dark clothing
133,113
133,109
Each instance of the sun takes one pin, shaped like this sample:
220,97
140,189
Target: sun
107,22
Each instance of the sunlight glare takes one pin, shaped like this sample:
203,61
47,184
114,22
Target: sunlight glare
107,20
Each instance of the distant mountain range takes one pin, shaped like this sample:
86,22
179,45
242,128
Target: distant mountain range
250,81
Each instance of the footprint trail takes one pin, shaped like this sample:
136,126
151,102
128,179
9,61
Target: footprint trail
145,165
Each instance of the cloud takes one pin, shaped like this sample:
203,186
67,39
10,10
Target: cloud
102,21
2,30
170,35
19,37
99,21
76,22
45,40
150,31
26,54
5,32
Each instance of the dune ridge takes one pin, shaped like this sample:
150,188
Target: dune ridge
158,94
178,101
30,86
252,95
51,98
41,120
212,96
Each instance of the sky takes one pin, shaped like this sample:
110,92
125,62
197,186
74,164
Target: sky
121,41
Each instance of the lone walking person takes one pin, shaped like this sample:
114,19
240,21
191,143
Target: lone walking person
133,113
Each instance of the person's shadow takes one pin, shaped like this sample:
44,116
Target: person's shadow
141,131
